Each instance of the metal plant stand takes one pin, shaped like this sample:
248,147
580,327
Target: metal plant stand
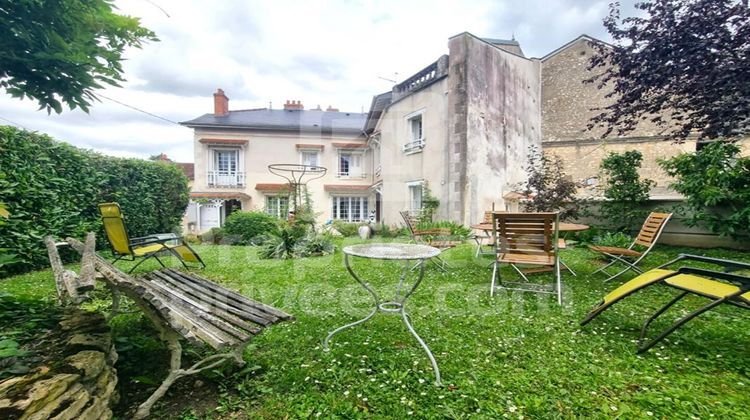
297,176
392,251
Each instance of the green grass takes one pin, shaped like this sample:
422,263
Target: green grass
510,356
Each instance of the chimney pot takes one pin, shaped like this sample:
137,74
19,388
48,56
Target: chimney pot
294,104
331,109
221,103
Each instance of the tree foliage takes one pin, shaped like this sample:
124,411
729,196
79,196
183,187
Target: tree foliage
716,182
685,66
52,188
548,187
625,191
60,51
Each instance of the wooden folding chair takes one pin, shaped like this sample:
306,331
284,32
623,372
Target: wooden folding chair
526,239
440,238
630,257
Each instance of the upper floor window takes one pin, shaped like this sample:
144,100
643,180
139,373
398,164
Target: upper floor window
350,164
225,167
309,157
415,141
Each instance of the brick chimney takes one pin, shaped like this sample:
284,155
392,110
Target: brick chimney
221,103
331,109
297,105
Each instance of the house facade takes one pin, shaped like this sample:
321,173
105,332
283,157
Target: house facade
462,126
234,148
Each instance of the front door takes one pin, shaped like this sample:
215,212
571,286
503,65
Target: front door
210,216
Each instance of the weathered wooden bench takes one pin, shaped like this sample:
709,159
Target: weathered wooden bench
181,306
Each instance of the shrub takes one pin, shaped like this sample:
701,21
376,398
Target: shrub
617,239
214,236
282,243
387,231
430,203
624,190
52,188
246,226
457,230
716,183
346,228
314,245
549,187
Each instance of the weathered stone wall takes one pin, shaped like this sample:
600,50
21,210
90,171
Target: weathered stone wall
80,385
498,109
567,107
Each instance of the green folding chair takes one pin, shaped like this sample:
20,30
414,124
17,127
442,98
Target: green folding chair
145,247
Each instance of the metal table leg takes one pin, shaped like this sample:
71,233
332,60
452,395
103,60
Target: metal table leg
398,305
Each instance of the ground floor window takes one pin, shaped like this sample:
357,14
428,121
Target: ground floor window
277,206
350,209
415,195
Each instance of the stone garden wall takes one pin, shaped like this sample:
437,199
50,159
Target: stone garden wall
79,382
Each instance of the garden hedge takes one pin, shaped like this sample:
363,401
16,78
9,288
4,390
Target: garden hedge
53,188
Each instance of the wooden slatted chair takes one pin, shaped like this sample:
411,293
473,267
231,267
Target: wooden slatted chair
440,238
630,256
529,239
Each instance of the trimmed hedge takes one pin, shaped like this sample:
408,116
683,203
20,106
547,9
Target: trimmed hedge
53,188
246,226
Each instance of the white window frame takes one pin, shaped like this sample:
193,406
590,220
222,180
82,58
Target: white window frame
278,213
359,154
414,144
348,201
212,167
410,187
303,152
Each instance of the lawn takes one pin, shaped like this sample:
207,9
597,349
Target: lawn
515,355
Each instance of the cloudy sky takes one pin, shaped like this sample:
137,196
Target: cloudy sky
323,53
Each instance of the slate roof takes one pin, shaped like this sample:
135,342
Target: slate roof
379,104
315,121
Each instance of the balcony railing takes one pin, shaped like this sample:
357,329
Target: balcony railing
414,146
351,174
226,179
378,170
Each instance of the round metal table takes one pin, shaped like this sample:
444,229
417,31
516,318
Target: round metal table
392,251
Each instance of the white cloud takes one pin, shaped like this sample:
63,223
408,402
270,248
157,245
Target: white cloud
320,52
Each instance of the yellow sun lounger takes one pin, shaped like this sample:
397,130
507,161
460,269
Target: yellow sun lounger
126,248
718,286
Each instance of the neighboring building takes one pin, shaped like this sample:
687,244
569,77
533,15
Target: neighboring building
234,148
567,107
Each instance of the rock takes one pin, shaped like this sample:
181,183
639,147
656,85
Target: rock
97,410
364,232
66,407
45,391
198,384
89,363
106,384
101,342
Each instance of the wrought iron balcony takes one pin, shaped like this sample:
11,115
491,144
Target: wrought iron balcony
414,146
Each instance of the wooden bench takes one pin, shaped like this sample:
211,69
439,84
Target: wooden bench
181,306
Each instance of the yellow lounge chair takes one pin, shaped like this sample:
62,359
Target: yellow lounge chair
126,248
718,286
